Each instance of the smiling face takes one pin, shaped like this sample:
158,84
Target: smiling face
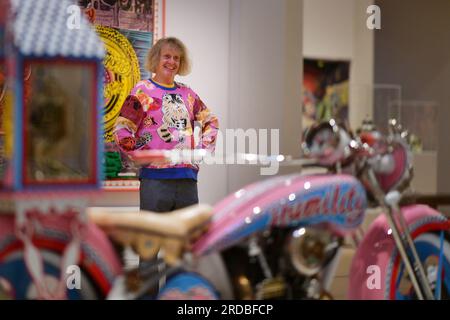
169,64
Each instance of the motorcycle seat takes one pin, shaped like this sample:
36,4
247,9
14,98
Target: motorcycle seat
146,232
179,224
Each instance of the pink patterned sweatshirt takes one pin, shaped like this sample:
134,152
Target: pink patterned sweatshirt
158,117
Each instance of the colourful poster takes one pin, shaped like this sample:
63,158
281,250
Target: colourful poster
325,91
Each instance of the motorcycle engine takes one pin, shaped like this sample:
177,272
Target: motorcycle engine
310,250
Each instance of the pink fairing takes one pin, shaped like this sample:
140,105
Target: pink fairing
377,249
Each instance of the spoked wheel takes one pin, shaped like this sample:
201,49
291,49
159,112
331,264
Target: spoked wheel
428,249
91,278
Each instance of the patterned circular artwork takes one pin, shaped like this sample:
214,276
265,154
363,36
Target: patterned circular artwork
120,75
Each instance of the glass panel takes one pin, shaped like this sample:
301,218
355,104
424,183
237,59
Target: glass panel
59,129
421,119
386,105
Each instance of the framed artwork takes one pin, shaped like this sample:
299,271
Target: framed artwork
137,15
128,29
325,91
121,14
122,72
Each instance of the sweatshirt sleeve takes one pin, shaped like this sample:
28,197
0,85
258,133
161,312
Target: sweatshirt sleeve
128,122
209,125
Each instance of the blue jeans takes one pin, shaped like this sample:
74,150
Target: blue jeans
167,195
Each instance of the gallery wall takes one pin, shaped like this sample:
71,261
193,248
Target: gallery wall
204,26
265,76
328,29
337,30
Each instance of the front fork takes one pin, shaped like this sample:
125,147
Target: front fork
404,241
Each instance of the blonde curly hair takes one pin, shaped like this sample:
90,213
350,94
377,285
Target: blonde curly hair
154,55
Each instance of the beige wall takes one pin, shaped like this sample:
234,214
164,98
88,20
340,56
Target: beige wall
265,75
247,68
362,67
204,26
328,29
336,30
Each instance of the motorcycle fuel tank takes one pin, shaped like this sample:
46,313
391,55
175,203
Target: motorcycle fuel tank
285,201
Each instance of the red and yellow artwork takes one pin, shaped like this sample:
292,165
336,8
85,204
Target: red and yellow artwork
121,74
2,134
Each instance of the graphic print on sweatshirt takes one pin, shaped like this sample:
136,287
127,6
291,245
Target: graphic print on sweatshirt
176,116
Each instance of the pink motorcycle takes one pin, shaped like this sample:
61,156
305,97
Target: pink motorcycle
274,239
277,238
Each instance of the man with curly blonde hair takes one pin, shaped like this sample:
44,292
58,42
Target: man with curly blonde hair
159,114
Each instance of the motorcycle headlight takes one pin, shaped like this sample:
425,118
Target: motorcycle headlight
327,143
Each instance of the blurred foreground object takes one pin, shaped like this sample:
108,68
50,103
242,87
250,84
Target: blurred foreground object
51,102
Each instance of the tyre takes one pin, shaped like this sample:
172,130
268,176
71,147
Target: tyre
98,263
188,286
377,271
399,286
16,283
